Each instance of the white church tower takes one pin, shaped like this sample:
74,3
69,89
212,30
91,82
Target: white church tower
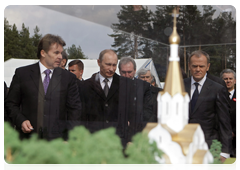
181,142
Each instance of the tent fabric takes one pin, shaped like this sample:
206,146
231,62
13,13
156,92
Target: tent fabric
90,67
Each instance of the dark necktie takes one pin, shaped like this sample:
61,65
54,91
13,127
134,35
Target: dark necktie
46,80
194,97
106,88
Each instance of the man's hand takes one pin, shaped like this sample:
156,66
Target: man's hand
222,159
26,126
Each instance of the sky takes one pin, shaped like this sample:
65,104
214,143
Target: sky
84,25
92,37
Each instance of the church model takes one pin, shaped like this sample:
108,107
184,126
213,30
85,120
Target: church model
181,142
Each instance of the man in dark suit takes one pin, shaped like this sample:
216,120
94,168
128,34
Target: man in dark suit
76,67
42,97
208,100
146,75
229,76
139,105
102,97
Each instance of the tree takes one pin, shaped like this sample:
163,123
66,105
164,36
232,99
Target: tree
28,50
36,38
128,32
75,52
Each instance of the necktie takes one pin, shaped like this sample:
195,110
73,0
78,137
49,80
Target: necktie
194,97
106,88
46,80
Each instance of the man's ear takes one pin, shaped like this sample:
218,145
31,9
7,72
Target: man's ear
208,66
43,53
98,61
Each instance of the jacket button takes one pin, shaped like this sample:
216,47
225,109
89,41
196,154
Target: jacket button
106,121
106,105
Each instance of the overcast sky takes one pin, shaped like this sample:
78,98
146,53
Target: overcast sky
84,25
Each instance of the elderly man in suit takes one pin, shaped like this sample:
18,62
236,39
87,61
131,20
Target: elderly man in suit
208,100
146,75
42,97
229,76
139,98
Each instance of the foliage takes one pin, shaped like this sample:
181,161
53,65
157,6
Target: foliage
75,52
102,147
215,150
147,33
19,44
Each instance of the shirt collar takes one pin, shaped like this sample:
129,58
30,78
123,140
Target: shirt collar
232,91
102,78
43,68
201,82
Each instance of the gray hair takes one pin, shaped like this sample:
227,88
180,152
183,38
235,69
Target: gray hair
228,71
125,60
144,71
198,53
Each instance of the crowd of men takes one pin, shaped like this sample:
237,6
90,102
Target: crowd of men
47,99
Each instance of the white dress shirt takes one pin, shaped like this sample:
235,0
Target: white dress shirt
231,93
42,69
110,79
201,82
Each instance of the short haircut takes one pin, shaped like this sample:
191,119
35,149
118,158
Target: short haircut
104,52
228,71
144,71
47,41
153,80
79,63
65,56
125,60
198,53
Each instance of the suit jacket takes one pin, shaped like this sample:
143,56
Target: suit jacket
136,103
233,121
100,112
212,102
154,91
51,115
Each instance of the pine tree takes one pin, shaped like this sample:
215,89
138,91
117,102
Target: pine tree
128,33
36,38
75,52
28,50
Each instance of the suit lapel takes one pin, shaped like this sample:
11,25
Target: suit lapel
114,86
36,77
204,92
55,80
95,84
188,86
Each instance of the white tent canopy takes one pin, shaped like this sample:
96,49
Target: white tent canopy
90,67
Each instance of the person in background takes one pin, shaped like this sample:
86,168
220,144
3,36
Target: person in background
229,76
139,98
64,60
146,75
76,67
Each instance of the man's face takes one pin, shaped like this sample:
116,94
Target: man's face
75,70
146,77
127,70
229,80
108,64
63,62
53,57
198,67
